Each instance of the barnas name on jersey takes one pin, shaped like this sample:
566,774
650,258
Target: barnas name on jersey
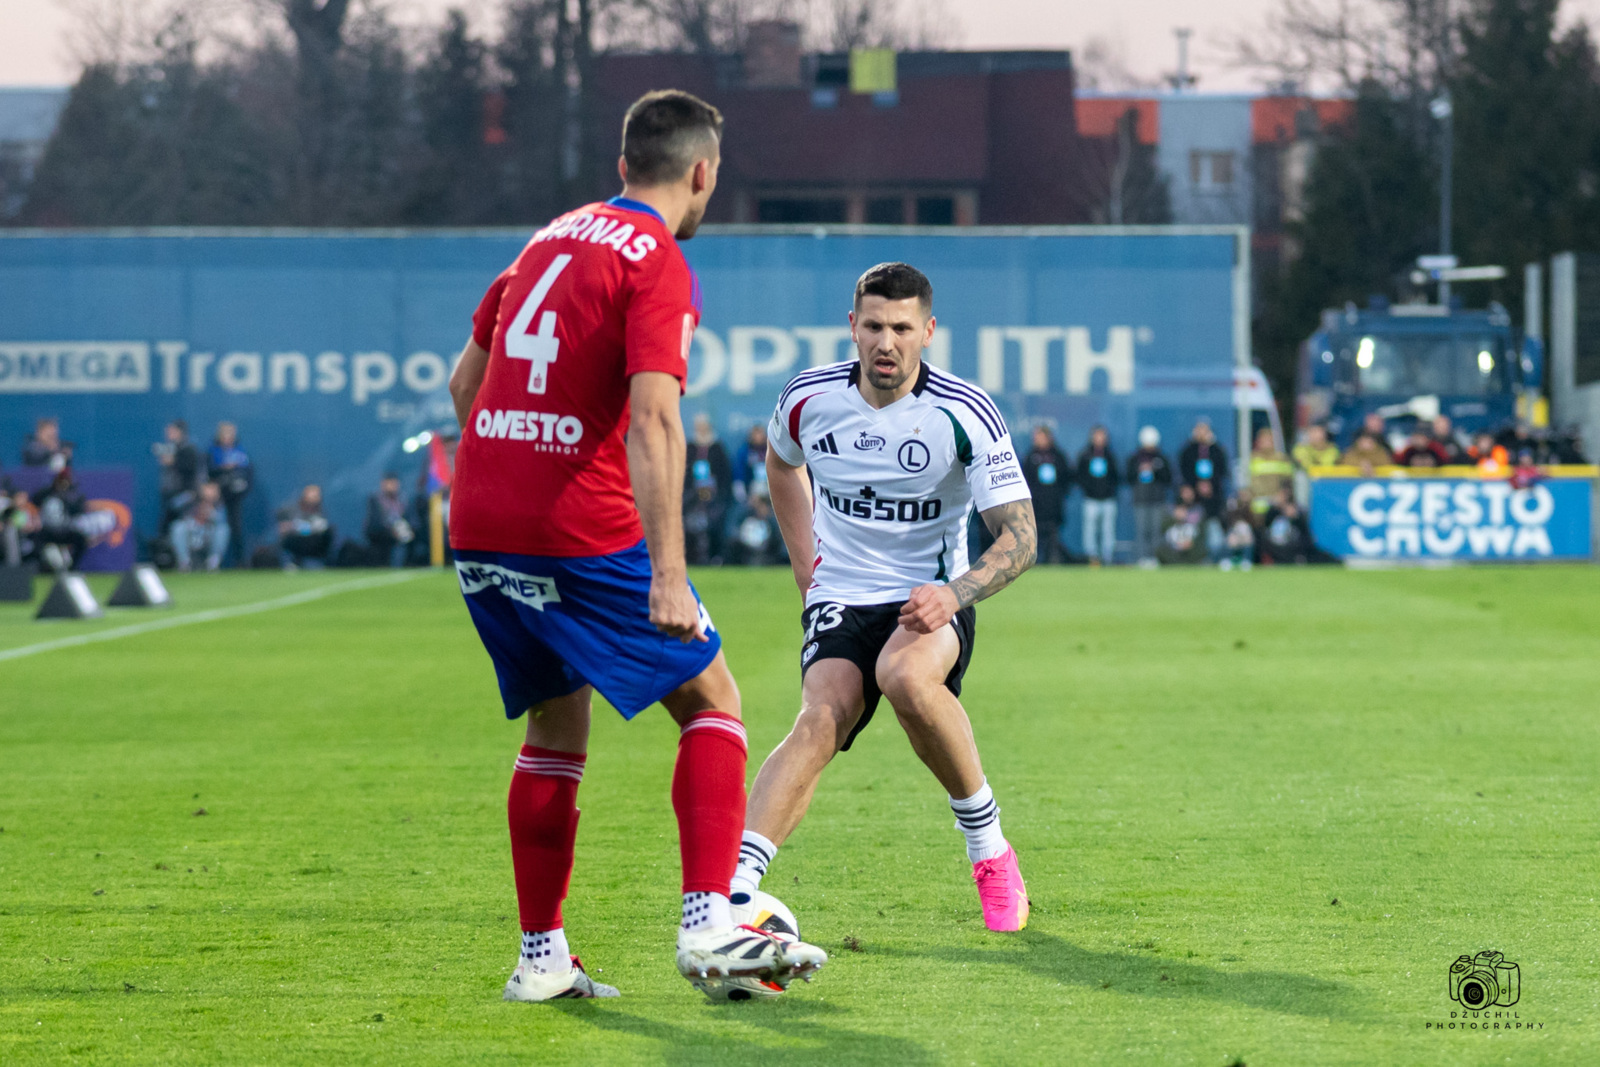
600,230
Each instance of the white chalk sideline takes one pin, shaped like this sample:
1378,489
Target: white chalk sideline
211,615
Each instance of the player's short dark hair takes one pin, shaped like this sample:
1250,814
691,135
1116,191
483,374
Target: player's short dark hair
665,133
896,281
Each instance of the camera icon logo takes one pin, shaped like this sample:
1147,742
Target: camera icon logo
1487,980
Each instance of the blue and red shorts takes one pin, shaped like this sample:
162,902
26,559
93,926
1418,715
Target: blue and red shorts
554,624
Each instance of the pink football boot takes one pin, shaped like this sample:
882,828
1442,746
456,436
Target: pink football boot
1000,889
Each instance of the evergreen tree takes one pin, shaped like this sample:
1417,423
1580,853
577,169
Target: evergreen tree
460,128
163,144
1527,124
1369,207
531,53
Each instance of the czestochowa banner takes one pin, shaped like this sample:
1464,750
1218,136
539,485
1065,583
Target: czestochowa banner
1441,518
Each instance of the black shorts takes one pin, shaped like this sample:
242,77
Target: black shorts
858,634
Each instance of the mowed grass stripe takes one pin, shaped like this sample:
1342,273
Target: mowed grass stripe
1193,766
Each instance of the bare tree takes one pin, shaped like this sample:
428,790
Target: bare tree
1101,65
719,26
1405,45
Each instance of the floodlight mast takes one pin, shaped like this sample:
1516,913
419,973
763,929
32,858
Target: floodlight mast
1444,111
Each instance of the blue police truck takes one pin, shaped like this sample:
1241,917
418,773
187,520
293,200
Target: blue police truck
1410,362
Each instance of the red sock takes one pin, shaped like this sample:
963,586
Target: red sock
543,812
708,795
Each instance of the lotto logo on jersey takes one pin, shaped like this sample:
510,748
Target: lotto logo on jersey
560,432
530,589
869,505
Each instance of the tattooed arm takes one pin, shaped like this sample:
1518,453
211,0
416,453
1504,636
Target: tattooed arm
1016,546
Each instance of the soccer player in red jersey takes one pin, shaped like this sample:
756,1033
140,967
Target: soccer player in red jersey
566,521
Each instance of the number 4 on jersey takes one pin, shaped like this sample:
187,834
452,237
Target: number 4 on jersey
541,348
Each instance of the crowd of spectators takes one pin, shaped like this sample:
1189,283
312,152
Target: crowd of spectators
201,522
727,511
1192,508
1199,510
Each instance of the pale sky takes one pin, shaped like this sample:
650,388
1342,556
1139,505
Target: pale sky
34,48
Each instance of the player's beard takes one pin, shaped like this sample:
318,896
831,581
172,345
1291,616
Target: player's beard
691,221
887,383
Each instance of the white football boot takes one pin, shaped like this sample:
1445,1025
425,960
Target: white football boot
706,956
527,983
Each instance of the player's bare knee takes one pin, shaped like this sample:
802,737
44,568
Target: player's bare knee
824,726
713,689
904,683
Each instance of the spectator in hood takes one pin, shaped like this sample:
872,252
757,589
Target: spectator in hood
1183,531
1150,475
202,531
1378,427
389,534
304,531
750,466
707,489
1270,470
182,468
1203,466
1316,450
228,466
1049,477
45,447
1285,534
1366,454
1097,475
1240,534
1490,459
757,541
1422,450
59,542
1527,471
1444,435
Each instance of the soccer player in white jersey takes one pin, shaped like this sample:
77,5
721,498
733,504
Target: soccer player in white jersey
898,453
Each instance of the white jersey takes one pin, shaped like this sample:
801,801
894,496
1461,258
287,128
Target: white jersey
893,486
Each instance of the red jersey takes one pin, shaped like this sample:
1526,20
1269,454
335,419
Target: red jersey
597,296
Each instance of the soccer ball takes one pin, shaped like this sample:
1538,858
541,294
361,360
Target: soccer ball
765,912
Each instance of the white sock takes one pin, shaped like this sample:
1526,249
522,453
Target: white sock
755,856
978,817
546,950
706,911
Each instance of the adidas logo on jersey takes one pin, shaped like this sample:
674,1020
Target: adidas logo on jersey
825,444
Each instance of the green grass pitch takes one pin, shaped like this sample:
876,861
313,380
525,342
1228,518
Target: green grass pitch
1259,814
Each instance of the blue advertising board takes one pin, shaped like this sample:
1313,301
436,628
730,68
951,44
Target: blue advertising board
330,349
1452,519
